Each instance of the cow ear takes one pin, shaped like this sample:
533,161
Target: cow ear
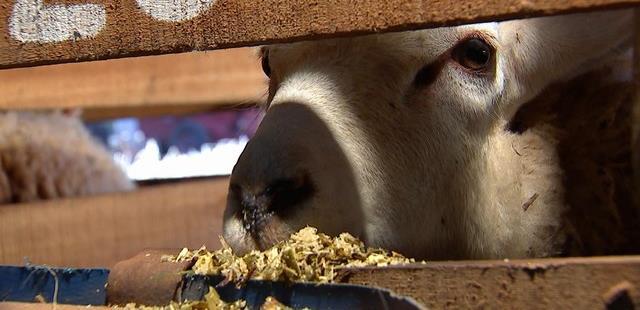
540,51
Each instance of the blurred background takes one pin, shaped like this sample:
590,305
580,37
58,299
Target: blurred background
174,147
174,124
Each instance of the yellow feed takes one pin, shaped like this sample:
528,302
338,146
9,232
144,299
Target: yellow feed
306,256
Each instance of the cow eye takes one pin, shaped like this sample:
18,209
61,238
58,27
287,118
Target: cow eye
474,54
265,63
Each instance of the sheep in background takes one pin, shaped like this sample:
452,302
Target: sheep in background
52,155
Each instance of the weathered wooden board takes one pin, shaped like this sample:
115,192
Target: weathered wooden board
101,230
177,83
53,285
565,283
556,283
52,31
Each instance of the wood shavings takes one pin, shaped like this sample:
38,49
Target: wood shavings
307,256
212,301
273,304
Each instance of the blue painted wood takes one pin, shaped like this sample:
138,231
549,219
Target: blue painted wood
87,287
298,295
75,286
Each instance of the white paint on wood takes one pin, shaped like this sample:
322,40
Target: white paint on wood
174,10
33,21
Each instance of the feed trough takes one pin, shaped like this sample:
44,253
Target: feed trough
87,287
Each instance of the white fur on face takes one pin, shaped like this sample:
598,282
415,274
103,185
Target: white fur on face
427,170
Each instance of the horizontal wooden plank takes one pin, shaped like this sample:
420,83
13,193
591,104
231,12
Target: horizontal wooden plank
175,84
101,230
554,283
99,114
560,283
36,32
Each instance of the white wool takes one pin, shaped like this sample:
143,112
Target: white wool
52,155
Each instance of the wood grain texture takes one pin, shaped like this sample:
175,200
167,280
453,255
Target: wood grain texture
177,83
145,279
553,283
101,230
565,283
34,32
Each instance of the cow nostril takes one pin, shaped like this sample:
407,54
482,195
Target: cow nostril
279,197
284,194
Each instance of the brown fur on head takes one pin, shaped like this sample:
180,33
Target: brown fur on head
591,120
52,155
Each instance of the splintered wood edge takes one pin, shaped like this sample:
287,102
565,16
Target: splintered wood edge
35,35
577,283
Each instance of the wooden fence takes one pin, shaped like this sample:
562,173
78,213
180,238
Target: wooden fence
38,32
